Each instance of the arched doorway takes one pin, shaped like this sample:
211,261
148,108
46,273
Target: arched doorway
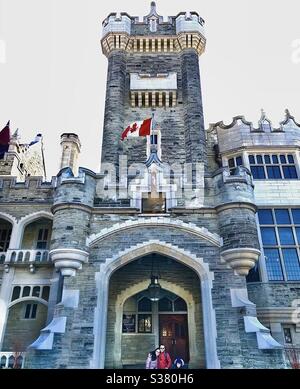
134,327
108,317
162,322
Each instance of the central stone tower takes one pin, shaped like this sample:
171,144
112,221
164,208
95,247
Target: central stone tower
153,66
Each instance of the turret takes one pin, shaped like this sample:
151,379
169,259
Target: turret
70,152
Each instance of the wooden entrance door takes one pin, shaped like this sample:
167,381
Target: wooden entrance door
173,334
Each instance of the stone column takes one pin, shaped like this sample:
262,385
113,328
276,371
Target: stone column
5,293
160,99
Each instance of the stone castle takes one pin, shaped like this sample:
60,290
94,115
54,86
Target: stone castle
188,237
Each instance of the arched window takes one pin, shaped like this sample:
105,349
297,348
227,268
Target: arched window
45,293
180,305
165,305
26,291
19,362
16,293
145,305
36,291
3,362
11,361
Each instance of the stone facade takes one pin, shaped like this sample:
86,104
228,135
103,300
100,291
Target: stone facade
98,250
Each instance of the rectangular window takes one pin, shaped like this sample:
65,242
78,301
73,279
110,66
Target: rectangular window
287,335
144,323
280,233
234,162
30,311
5,234
273,167
42,240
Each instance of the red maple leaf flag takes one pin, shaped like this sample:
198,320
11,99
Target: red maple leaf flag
138,128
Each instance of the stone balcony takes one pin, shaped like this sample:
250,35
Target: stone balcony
12,360
23,258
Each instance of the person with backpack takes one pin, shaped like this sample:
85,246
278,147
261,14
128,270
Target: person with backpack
164,359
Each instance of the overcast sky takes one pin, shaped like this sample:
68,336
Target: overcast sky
53,74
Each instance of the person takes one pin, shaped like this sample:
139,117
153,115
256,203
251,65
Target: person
151,362
178,363
163,360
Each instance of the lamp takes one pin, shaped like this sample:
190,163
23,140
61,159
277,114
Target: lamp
154,288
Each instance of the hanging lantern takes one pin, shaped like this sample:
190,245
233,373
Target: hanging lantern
154,289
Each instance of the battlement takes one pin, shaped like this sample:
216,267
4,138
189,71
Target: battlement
241,133
124,32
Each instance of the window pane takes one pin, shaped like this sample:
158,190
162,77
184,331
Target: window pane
282,216
45,293
290,158
296,216
267,159
251,159
36,291
287,336
27,311
273,265
265,216
274,172
259,159
268,236
291,263
165,304
144,323
258,172
289,172
282,159
16,293
34,309
180,305
26,291
41,245
231,162
275,159
145,305
239,161
286,235
298,235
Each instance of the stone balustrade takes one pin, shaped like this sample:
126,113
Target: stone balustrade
27,256
12,359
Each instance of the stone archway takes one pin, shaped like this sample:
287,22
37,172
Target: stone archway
182,256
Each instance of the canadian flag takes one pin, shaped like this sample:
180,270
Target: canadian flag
139,128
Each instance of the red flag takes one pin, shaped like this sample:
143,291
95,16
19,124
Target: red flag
5,135
139,128
4,140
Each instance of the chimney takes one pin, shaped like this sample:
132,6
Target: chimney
70,152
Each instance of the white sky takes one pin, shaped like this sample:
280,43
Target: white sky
53,75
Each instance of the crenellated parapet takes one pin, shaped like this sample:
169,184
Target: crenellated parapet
32,189
241,134
153,34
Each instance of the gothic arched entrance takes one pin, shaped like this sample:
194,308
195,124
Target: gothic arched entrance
126,275
136,326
